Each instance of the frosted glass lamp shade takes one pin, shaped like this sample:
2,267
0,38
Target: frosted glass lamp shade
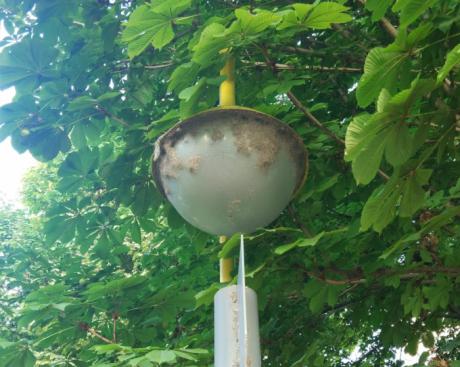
230,170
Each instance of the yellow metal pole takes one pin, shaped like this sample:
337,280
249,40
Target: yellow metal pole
227,87
226,265
227,98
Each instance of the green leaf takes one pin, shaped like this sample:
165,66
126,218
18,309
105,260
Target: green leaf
82,103
381,70
150,25
367,163
452,60
412,346
413,195
400,103
5,343
410,10
80,163
290,19
378,8
206,297
369,137
170,7
135,231
46,144
383,99
185,355
229,245
356,135
433,224
190,98
324,14
302,242
252,24
419,34
182,76
318,300
161,356
77,136
144,197
26,63
104,348
191,92
61,306
398,148
428,339
212,40
318,16
380,208
438,295
107,96
138,362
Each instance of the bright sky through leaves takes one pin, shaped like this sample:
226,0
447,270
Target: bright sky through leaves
13,165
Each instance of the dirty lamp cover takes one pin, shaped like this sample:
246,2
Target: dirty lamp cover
230,170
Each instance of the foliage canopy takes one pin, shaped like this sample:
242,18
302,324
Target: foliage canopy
100,271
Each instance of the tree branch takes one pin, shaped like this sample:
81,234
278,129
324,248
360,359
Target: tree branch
112,116
166,64
94,333
114,322
307,67
297,221
386,24
311,118
390,28
404,274
320,53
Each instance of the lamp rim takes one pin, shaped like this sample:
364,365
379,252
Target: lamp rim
181,127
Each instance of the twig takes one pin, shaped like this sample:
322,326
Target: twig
408,274
311,118
296,102
297,221
159,66
94,333
359,361
306,67
114,333
344,32
302,50
112,116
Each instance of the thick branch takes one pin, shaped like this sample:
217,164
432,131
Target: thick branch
386,24
391,30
